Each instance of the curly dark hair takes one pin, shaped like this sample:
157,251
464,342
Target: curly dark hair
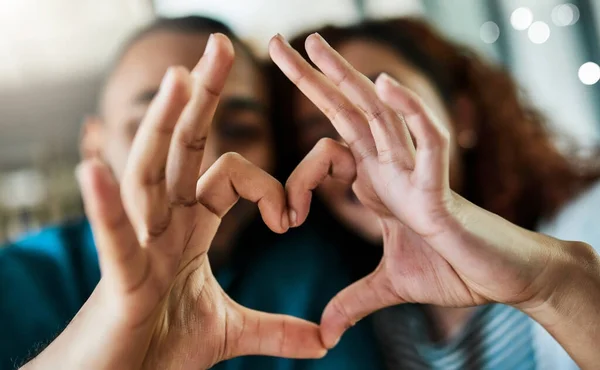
515,170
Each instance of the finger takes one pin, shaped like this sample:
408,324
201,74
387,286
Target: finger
391,136
258,333
122,261
189,139
328,158
432,158
348,120
358,300
232,177
143,188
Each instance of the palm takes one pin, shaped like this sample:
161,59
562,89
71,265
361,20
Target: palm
195,298
419,274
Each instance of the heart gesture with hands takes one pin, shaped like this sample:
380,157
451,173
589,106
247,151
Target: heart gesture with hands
158,305
439,248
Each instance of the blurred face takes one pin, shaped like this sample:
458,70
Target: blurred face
371,59
240,124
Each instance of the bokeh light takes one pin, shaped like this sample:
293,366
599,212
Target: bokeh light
521,18
539,32
589,73
489,32
565,15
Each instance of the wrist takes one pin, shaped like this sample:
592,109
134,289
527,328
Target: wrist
570,310
571,278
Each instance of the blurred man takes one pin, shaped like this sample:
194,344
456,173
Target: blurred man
45,278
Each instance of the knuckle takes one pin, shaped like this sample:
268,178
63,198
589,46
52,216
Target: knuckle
206,199
156,228
211,91
151,178
392,156
192,142
377,115
342,111
339,309
362,152
181,199
342,77
282,337
119,222
229,159
300,76
388,156
327,145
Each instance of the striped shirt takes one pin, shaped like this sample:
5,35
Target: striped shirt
496,337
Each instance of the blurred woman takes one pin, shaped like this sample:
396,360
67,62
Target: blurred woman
502,158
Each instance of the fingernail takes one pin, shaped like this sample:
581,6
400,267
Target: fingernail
385,78
293,218
336,343
322,353
285,222
210,45
318,36
283,39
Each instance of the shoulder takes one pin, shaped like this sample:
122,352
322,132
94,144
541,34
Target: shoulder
52,240
578,220
44,278
60,251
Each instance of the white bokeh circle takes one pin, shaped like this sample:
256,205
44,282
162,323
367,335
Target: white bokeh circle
521,18
589,73
539,32
565,15
489,32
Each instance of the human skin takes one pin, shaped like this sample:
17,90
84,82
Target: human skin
439,248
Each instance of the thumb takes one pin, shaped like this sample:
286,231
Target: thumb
367,295
251,332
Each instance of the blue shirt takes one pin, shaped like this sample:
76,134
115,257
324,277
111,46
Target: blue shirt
46,277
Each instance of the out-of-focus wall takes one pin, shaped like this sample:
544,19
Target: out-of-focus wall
53,54
547,69
258,20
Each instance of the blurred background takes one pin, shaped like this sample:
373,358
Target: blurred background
53,54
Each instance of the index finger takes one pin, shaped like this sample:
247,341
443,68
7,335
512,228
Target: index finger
347,119
389,131
189,139
327,159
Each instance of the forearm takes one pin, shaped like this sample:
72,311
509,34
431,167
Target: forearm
563,289
559,281
95,339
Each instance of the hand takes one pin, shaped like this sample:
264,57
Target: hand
158,305
438,248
